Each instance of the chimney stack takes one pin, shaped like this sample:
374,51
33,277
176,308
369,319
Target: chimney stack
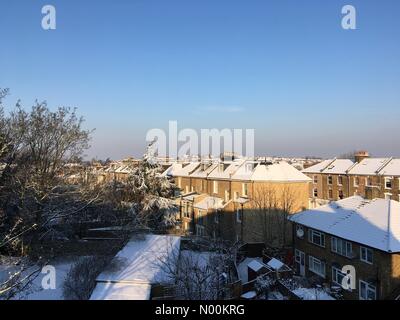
361,155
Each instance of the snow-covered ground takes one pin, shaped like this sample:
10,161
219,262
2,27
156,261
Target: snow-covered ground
35,290
312,294
242,268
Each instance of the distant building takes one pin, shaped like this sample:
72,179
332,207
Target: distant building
341,178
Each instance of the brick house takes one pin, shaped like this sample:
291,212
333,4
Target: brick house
222,199
341,178
363,234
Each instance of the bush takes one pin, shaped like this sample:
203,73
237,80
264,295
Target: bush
81,279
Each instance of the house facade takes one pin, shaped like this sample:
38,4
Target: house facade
353,235
239,200
341,178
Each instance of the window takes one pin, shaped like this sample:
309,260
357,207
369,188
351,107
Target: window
339,180
388,183
238,215
200,230
215,186
236,195
192,189
330,194
356,181
315,193
342,247
316,237
368,181
244,189
200,216
367,291
316,266
187,189
337,275
186,211
366,255
315,179
203,185
340,194
226,195
329,179
179,183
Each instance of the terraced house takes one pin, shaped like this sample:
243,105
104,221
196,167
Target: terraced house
240,200
363,235
341,178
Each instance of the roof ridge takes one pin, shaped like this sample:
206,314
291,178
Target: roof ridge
328,165
387,161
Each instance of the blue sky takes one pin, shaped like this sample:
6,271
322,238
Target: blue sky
283,67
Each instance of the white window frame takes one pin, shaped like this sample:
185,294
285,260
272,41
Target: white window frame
187,189
312,261
236,195
344,251
329,178
340,183
226,194
215,187
366,181
311,232
391,183
366,250
245,190
368,287
200,230
335,272
356,181
315,179
315,191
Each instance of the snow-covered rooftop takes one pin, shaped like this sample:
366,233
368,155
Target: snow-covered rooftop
369,166
186,169
374,223
209,203
335,166
319,167
275,264
141,260
391,169
204,170
121,291
255,265
278,172
228,170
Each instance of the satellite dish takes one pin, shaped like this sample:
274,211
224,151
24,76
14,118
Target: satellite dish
300,232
